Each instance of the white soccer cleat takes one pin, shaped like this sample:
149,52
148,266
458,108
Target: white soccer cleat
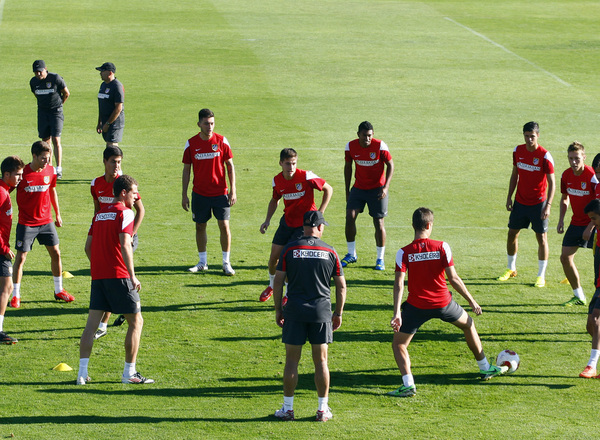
200,267
228,270
83,380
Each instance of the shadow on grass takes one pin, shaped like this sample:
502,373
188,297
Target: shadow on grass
128,419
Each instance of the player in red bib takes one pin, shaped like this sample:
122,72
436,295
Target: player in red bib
12,174
578,187
428,262
296,187
374,170
209,155
36,194
533,178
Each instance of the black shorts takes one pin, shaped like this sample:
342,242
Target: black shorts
359,197
522,216
414,317
285,234
5,267
45,234
203,206
574,237
50,123
114,134
595,301
116,295
296,332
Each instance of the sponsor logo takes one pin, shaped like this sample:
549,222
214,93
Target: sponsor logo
37,188
423,256
309,253
367,163
299,186
100,192
294,196
106,216
44,91
105,199
205,156
214,147
527,167
577,192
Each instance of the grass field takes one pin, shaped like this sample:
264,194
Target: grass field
448,86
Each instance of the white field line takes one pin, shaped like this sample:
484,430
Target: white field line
564,83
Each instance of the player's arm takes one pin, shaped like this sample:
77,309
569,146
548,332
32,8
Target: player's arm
588,231
270,211
458,284
88,247
327,193
127,252
389,172
231,174
396,321
64,94
340,300
185,183
564,205
347,177
277,295
54,201
96,206
139,215
551,184
512,185
113,116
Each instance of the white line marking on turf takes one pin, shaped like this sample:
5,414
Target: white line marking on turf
564,83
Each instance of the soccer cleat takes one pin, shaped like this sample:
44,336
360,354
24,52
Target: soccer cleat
119,321
15,302
7,340
228,270
379,264
540,282
82,380
588,372
492,372
137,378
59,173
65,296
200,267
349,259
404,391
323,416
284,301
284,415
508,274
573,302
99,333
266,294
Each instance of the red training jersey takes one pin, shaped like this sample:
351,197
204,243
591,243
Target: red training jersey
297,193
5,217
106,257
581,191
532,167
208,162
103,191
33,196
370,172
427,261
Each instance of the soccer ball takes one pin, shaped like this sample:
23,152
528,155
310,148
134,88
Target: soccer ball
510,359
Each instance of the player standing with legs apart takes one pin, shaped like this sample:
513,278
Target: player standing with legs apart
51,92
309,264
12,173
115,287
111,109
577,185
374,170
296,187
209,155
429,262
533,178
35,195
102,193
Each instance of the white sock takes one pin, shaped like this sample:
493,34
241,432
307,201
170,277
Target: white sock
102,326
17,290
323,403
286,289
579,293
351,248
542,265
271,279
129,369
594,358
83,367
380,252
1,323
484,364
226,257
288,403
408,380
202,257
512,261
58,287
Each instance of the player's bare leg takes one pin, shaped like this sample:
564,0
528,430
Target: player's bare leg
351,215
55,262
543,250
134,334
201,237
319,355
290,372
6,287
20,259
225,235
274,257
379,231
466,324
400,348
87,338
567,258
512,242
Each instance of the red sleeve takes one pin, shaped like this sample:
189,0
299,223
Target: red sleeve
563,186
347,156
385,155
187,155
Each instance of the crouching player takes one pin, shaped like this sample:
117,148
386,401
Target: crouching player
429,298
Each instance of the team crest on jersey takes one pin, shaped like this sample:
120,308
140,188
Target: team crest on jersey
536,161
583,185
46,180
372,155
311,242
214,147
107,90
48,85
299,186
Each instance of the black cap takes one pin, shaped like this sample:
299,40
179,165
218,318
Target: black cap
107,66
39,65
314,219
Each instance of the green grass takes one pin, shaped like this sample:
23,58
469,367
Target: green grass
449,103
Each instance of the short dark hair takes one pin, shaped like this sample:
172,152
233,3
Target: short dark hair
531,126
112,150
596,161
365,126
205,113
123,182
593,206
421,217
10,164
576,146
40,147
287,153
